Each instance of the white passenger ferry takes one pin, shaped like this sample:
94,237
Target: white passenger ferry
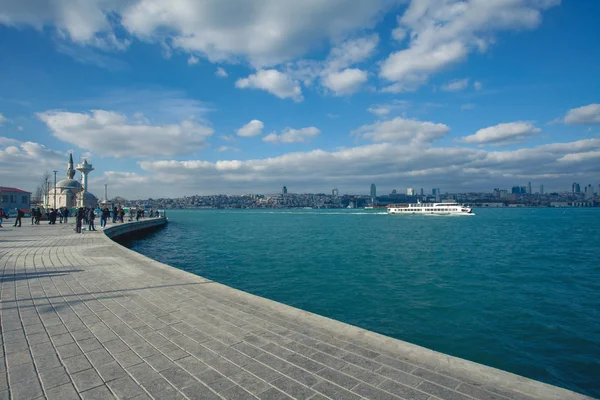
430,208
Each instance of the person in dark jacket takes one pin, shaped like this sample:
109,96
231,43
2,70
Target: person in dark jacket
91,217
104,217
79,219
20,214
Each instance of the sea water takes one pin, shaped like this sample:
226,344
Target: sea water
516,289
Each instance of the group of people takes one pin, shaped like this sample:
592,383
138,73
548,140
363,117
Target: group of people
83,216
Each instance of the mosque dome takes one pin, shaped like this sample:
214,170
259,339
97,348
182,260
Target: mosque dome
71,184
89,196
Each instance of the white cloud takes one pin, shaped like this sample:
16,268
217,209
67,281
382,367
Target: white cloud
221,73
192,60
586,115
251,129
112,134
477,85
351,52
289,135
267,33
344,82
2,119
467,106
334,73
17,156
221,149
273,82
402,130
456,85
389,165
444,32
382,110
505,133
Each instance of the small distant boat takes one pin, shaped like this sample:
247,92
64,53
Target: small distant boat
430,208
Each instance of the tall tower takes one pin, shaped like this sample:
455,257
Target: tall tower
85,169
70,170
529,188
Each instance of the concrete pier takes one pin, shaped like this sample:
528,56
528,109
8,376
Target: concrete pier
83,317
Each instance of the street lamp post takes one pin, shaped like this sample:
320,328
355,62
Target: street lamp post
55,189
106,193
47,196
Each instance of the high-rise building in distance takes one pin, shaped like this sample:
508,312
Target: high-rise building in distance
435,192
373,193
576,188
335,192
410,192
422,192
529,188
284,190
589,192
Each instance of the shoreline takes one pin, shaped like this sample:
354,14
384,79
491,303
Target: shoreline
227,332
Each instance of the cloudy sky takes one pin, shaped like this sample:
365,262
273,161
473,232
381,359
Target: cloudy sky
178,97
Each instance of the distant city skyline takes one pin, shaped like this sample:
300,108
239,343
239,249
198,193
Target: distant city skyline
178,101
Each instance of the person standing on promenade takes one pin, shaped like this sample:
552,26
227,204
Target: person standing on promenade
115,214
1,216
104,217
33,216
38,215
20,215
66,211
91,217
78,219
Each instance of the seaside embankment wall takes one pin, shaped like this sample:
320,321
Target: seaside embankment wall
121,231
478,376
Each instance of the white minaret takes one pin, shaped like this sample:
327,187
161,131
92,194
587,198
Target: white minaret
85,169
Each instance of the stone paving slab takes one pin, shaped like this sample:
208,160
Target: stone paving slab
83,317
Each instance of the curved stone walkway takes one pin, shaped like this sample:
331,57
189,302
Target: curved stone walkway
83,317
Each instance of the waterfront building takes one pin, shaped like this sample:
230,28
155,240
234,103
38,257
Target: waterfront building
373,193
11,198
576,188
410,192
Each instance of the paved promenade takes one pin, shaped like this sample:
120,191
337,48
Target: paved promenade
83,317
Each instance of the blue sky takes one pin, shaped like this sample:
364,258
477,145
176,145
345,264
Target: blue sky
171,98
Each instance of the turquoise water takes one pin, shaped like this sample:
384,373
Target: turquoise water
516,289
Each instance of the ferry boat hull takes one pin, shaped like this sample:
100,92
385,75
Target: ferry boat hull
429,209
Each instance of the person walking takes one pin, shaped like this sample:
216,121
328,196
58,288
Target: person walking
1,216
20,215
38,215
32,216
66,214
